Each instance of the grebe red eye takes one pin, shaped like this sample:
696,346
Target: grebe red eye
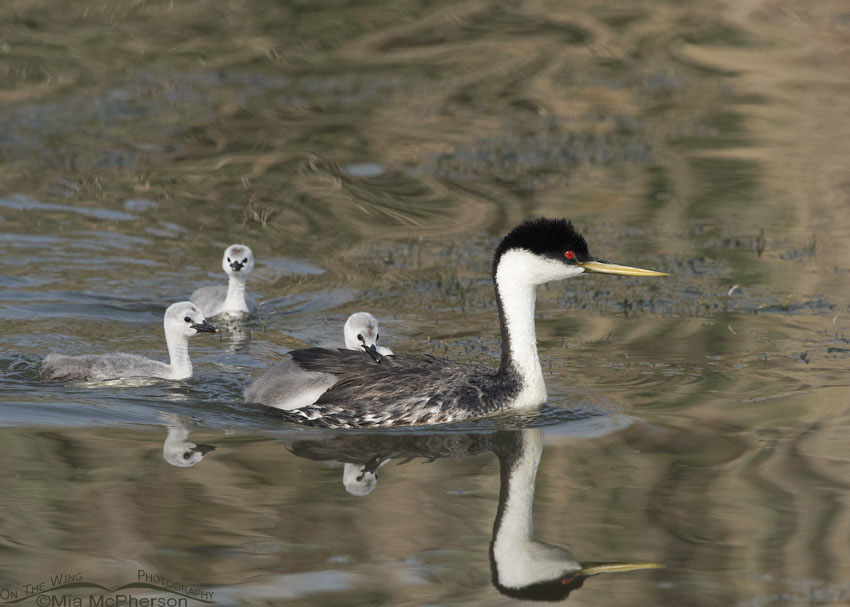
565,581
570,255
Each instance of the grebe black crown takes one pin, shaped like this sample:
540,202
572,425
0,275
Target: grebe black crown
545,237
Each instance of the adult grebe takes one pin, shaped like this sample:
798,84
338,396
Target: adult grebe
345,389
237,263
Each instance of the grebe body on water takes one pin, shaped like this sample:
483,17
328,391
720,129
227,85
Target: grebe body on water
346,389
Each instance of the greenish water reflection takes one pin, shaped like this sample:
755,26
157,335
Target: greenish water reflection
371,155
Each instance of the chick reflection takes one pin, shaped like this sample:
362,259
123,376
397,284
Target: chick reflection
520,566
361,479
178,450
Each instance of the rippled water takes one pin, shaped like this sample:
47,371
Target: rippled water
372,155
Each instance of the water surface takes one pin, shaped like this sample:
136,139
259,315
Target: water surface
372,155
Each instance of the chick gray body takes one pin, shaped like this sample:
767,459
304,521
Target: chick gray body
209,299
97,367
288,386
181,321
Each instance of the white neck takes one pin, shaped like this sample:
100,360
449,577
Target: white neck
520,560
517,292
178,353
235,300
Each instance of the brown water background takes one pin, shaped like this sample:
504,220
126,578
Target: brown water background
372,154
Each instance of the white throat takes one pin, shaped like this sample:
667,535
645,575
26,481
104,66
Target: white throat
519,560
178,353
518,275
518,294
235,300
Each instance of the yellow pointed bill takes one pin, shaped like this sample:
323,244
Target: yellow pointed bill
603,267
597,568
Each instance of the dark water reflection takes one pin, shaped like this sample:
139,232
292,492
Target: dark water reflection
520,567
287,510
371,155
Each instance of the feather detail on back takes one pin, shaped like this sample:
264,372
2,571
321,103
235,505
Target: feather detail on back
402,391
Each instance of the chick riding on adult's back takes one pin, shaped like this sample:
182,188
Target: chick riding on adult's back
348,390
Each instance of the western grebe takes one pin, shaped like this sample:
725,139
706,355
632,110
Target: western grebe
237,263
285,380
182,321
338,389
361,331
521,567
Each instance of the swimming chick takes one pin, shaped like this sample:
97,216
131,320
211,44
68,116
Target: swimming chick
237,263
182,321
339,389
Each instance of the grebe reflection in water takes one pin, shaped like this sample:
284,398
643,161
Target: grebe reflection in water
521,567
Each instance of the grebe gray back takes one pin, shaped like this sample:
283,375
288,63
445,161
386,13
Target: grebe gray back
405,390
182,320
237,263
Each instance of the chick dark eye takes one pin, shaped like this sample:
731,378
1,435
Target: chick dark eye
570,255
228,260
187,455
188,319
377,337
360,336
